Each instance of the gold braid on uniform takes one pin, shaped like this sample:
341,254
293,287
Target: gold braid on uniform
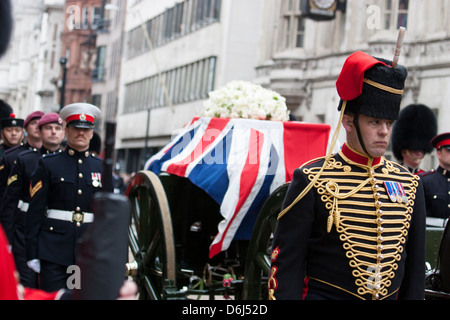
372,227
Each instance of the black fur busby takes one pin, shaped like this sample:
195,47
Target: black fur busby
414,129
6,24
5,109
96,143
373,101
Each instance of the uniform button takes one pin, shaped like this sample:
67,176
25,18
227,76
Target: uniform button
80,175
51,228
62,179
79,191
77,209
435,197
80,161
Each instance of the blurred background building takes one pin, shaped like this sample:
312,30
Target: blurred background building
149,65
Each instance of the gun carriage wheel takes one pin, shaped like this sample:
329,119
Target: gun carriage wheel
257,266
151,237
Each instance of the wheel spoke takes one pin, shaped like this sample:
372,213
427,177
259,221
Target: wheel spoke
150,235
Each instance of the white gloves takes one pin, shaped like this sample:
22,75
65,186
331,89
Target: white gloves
34,265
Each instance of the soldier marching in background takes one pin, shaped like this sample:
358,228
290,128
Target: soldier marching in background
411,135
63,183
5,111
353,223
436,183
16,144
17,196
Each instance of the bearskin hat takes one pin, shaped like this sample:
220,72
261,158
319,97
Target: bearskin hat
96,143
6,23
5,109
371,86
415,127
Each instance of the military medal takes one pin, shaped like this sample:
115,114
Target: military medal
96,179
403,195
396,192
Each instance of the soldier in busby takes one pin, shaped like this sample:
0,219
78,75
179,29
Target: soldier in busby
11,131
353,222
415,127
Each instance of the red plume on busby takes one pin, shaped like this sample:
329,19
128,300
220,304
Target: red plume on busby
415,127
355,85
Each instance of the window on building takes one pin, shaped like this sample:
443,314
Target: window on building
396,14
293,25
85,18
96,17
182,19
98,74
183,84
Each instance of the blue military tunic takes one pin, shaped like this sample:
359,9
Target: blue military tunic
66,182
436,185
359,233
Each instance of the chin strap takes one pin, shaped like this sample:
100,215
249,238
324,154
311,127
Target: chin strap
358,131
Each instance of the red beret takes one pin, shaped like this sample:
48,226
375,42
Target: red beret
33,115
50,118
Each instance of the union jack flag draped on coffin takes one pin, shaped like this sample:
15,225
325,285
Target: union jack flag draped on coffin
239,163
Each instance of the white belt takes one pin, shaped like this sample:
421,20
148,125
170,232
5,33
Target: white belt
436,222
23,206
72,216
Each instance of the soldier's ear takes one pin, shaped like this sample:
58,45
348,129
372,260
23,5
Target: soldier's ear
347,122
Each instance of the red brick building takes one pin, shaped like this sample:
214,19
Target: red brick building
78,47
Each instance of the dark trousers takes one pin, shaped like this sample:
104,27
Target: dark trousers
28,278
53,276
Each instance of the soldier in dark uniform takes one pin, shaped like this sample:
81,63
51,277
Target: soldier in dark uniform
12,131
5,111
436,183
17,196
63,183
10,155
411,135
353,223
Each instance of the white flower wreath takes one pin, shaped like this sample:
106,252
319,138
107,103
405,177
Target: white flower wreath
242,99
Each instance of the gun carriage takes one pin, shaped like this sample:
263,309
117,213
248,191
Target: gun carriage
176,216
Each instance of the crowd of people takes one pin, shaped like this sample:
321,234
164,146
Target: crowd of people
47,190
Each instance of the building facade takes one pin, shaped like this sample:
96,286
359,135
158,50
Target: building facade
30,69
199,45
150,64
78,50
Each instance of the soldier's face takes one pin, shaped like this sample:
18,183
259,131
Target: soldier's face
52,134
375,133
78,138
443,155
33,129
12,136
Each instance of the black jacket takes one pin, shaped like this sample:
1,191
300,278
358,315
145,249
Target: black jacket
65,181
347,239
436,185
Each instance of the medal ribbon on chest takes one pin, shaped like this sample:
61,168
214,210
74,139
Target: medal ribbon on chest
396,192
96,179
